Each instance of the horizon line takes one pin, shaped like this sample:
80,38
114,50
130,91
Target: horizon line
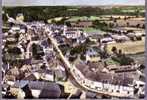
109,5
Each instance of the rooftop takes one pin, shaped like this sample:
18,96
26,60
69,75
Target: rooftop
48,89
104,77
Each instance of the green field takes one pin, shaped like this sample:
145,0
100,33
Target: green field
112,62
91,30
76,18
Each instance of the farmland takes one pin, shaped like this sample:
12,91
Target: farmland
129,47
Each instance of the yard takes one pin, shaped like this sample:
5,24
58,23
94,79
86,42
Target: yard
91,30
128,47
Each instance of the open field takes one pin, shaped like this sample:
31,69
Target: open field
91,30
132,22
91,18
130,11
128,47
76,18
116,16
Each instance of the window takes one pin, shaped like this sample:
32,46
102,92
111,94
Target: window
91,56
141,85
118,91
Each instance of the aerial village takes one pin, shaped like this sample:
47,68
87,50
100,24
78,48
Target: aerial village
73,60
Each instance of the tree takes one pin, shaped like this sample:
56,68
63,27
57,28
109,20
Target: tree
8,94
43,66
34,49
17,36
28,92
138,25
71,59
111,25
128,24
68,23
82,57
119,53
119,17
15,51
49,41
78,50
115,20
123,60
114,49
53,21
141,67
111,18
126,60
143,26
137,12
100,25
78,21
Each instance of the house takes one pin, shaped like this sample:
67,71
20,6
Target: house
11,39
37,89
139,83
60,39
72,33
60,75
14,53
15,28
81,39
20,17
140,86
14,74
30,77
44,74
92,56
107,40
105,83
22,31
46,46
95,66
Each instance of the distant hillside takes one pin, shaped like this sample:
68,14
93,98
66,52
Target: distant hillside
44,13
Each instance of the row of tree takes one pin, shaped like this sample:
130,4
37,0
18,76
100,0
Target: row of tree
44,13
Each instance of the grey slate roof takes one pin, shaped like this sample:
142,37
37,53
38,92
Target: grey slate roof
105,77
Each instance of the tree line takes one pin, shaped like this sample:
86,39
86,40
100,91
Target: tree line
44,13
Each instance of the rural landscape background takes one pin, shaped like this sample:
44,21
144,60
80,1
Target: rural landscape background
65,14
73,52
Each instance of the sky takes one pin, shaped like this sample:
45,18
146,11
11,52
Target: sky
70,2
